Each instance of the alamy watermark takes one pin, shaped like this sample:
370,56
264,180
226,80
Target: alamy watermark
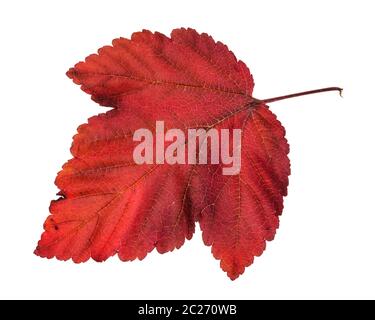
172,147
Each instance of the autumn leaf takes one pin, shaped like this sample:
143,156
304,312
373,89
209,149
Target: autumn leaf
110,205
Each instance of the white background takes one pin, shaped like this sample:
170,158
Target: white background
325,245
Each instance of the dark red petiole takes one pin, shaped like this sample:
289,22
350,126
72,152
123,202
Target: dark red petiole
302,94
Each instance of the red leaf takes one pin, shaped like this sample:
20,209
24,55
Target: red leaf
111,205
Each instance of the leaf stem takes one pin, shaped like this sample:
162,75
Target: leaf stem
303,94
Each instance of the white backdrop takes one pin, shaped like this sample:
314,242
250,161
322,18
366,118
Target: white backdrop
325,245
